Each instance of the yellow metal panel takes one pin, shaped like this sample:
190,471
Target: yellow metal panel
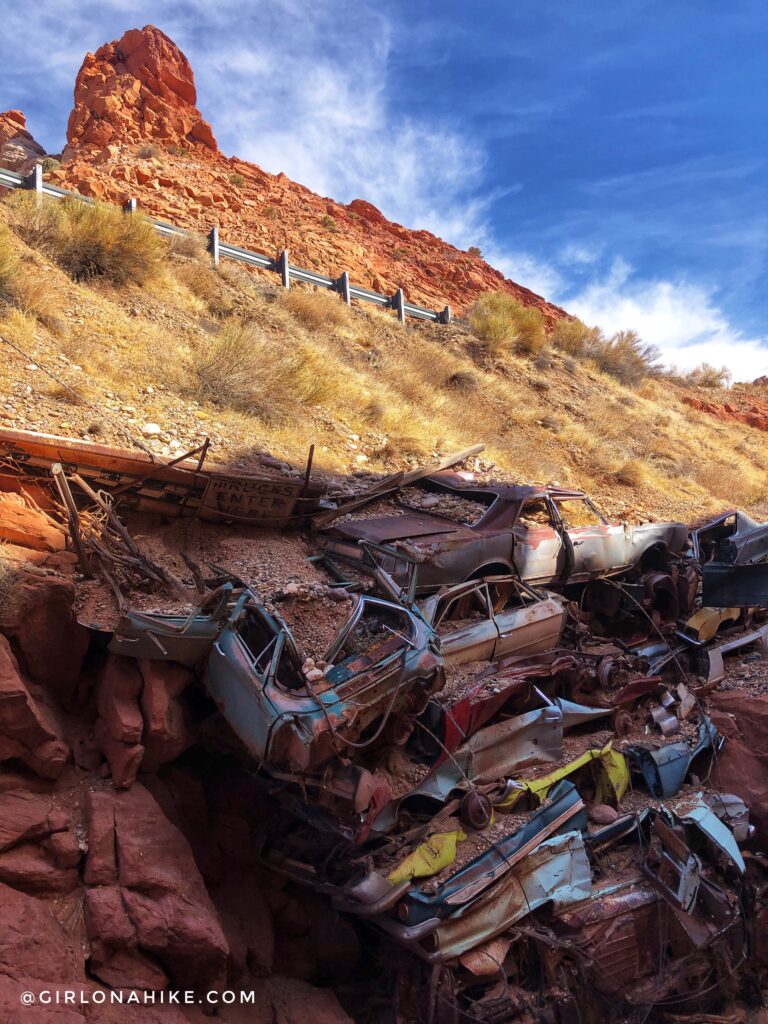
431,857
611,770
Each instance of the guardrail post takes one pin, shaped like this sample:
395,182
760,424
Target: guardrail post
35,180
343,284
130,206
213,245
445,316
285,269
398,303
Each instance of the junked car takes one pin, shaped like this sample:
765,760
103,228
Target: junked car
542,534
732,538
384,661
483,620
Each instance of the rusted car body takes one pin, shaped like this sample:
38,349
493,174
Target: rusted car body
383,661
732,538
542,534
483,620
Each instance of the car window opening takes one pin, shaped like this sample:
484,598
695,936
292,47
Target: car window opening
259,639
535,514
576,513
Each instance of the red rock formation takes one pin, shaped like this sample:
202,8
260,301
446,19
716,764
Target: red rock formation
120,725
742,767
142,88
751,412
38,616
138,88
26,732
155,902
18,150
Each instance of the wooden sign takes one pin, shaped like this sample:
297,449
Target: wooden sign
249,499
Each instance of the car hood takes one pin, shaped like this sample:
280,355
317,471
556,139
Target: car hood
387,528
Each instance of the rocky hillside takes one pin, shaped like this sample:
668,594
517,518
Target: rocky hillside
135,131
185,353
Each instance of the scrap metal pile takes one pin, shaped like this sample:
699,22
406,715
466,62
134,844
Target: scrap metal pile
500,766
507,786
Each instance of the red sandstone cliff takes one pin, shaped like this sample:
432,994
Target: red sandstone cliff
18,150
140,90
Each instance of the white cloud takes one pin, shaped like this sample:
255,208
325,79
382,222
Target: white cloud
682,318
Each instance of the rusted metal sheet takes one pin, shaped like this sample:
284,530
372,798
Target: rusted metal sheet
725,586
617,929
556,874
179,488
666,768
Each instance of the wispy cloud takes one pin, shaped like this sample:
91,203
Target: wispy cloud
681,317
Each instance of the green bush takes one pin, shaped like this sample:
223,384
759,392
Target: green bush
502,324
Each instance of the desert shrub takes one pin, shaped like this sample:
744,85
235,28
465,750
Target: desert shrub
632,473
95,241
626,357
37,224
398,447
574,338
328,222
147,150
315,310
237,180
9,574
50,163
188,245
705,375
463,381
205,284
544,360
31,292
249,371
474,250
502,323
9,265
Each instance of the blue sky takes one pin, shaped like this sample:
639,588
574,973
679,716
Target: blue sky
610,156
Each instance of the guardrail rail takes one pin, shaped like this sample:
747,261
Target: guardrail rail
219,249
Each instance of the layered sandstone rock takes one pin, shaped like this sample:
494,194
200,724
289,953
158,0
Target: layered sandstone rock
18,150
138,88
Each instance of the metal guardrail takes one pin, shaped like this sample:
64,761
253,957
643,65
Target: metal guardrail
223,250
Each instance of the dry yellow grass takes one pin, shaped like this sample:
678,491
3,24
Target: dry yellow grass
315,310
284,370
91,240
501,323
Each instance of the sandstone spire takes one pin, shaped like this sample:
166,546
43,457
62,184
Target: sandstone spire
139,88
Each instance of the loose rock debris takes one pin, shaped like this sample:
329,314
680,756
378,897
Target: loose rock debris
519,836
